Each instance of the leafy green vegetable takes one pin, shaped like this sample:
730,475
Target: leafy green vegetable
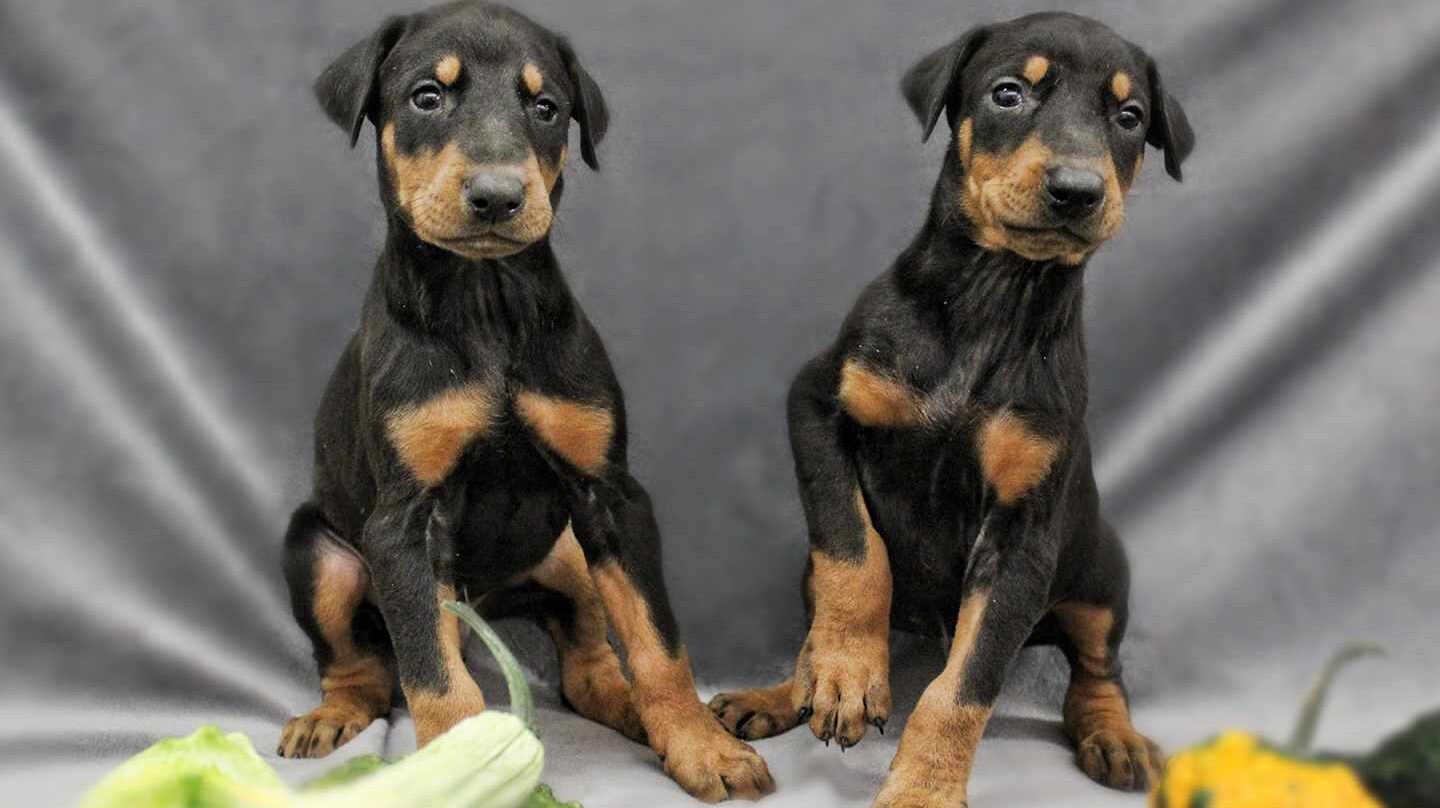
347,772
491,760
543,797
207,769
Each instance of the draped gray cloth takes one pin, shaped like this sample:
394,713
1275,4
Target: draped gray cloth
184,242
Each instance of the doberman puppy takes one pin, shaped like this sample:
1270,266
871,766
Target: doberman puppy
472,440
940,442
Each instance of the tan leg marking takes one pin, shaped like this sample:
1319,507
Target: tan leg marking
1012,458
843,672
434,713
697,752
875,400
429,437
1035,69
1120,85
937,751
355,687
447,70
590,673
1097,714
760,713
580,433
533,78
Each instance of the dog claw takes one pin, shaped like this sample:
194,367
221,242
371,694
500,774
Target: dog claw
879,724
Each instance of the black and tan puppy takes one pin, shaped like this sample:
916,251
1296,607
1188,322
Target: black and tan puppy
472,440
940,443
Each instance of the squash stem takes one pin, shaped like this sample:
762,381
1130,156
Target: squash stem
522,705
1314,703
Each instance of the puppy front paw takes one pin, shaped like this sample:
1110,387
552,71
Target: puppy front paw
842,686
1120,758
713,766
755,714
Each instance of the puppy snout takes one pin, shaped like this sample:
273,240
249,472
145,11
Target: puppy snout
495,195
1074,193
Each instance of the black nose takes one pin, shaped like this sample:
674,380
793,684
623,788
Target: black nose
1074,192
496,195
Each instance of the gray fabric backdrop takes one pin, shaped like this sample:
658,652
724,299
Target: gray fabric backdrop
184,241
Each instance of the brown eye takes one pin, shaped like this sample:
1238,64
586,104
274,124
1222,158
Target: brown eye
546,110
1008,94
426,99
1130,117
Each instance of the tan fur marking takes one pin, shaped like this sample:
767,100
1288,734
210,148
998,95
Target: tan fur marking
533,78
447,70
1120,85
355,687
844,665
1035,69
1012,458
1006,191
704,759
580,433
1112,215
427,188
550,173
590,673
1134,172
965,141
758,713
1096,712
664,689
877,401
937,751
430,437
435,713
1088,627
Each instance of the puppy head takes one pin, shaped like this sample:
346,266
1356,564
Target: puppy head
1050,114
473,104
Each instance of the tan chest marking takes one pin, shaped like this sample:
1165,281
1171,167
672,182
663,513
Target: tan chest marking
878,401
580,433
1012,458
1035,69
429,437
533,78
1120,85
447,70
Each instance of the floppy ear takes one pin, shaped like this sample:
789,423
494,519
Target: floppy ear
588,107
347,88
1169,128
932,84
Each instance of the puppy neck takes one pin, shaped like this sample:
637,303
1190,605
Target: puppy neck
429,288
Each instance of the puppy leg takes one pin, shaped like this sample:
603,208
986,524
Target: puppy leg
616,527
1097,711
327,588
590,674
842,675
1005,596
438,687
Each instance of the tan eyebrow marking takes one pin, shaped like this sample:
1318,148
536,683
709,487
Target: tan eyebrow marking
1120,85
534,81
448,69
1035,68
